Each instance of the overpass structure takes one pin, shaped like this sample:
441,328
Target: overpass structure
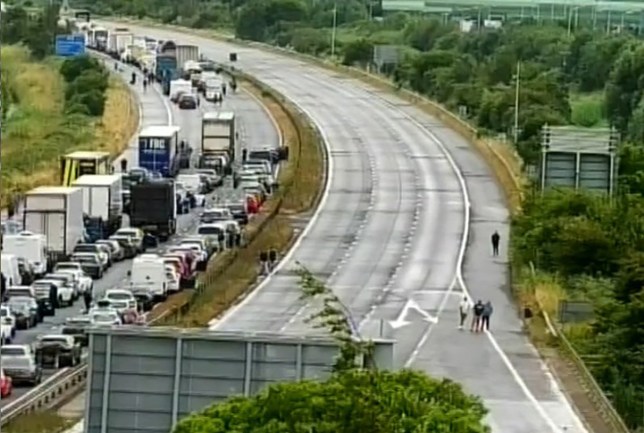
604,14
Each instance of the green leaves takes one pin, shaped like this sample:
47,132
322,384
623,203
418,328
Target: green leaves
87,82
349,402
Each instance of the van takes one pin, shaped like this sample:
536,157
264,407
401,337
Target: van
31,247
10,269
148,270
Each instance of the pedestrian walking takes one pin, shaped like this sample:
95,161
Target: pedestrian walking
463,309
263,260
476,319
487,312
87,298
145,85
495,243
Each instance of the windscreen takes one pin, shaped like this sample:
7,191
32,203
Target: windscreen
11,351
209,230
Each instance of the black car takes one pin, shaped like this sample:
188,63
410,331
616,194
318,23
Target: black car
46,296
188,102
58,351
77,328
239,213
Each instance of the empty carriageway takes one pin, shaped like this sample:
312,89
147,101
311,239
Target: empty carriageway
399,212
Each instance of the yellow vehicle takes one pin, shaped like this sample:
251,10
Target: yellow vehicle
75,164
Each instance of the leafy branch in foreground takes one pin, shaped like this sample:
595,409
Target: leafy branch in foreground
335,318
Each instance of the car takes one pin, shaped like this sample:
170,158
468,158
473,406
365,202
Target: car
127,245
144,297
118,253
84,282
105,318
121,295
213,178
6,384
198,247
65,291
91,264
188,101
19,363
239,212
95,249
175,97
174,279
108,252
77,328
136,235
6,313
58,350
70,284
25,310
46,292
215,214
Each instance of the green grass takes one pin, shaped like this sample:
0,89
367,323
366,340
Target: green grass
588,110
39,422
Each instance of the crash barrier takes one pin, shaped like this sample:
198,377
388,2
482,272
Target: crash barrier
48,394
301,121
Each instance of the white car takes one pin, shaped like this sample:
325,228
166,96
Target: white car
172,279
8,319
197,247
135,235
83,282
120,295
105,318
65,293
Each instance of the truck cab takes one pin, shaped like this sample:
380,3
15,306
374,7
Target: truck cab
75,164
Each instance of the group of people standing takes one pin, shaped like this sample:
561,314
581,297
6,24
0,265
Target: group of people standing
480,317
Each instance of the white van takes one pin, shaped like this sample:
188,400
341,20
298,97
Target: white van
31,247
148,270
9,266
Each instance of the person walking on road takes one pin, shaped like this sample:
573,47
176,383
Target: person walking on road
145,84
87,297
485,317
463,309
495,243
476,319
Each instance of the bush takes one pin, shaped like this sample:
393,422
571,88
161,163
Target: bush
87,83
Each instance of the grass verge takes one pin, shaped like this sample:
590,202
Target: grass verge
37,130
48,421
233,273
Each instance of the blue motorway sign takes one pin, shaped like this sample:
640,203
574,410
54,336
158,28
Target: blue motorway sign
70,45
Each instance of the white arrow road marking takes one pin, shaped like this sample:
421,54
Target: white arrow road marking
411,305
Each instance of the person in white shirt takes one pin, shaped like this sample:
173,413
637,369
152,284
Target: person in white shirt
463,309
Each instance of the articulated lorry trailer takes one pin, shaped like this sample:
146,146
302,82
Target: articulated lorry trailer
102,204
153,207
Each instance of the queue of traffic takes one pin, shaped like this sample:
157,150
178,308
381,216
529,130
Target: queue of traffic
66,237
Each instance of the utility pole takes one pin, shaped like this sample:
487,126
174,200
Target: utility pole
335,23
517,92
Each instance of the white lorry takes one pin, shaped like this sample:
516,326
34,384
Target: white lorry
187,53
218,133
177,86
57,213
148,271
31,247
102,200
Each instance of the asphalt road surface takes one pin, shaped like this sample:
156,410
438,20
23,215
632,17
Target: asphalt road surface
391,230
256,129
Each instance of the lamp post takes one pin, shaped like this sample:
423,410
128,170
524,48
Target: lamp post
517,83
335,22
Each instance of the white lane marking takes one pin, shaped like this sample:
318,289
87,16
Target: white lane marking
460,280
217,322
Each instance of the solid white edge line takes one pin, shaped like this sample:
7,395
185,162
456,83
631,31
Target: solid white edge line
216,323
459,278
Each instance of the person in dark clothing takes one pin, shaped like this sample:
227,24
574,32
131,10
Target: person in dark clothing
485,317
145,84
495,243
263,260
87,298
272,258
476,318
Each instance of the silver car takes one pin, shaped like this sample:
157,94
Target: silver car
20,365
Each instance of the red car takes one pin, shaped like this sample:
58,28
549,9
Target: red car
6,386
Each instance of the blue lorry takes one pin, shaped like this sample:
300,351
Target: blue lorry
159,149
167,68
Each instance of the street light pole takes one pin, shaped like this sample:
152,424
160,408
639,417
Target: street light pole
517,88
335,22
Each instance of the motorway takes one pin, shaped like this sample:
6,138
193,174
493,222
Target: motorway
256,129
403,232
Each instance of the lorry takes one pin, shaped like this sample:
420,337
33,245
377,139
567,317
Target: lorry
57,213
118,41
159,149
153,207
31,247
187,53
166,65
217,136
102,204
177,86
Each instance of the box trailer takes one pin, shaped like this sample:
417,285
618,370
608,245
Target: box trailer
102,203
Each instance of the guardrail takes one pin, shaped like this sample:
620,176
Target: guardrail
59,386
